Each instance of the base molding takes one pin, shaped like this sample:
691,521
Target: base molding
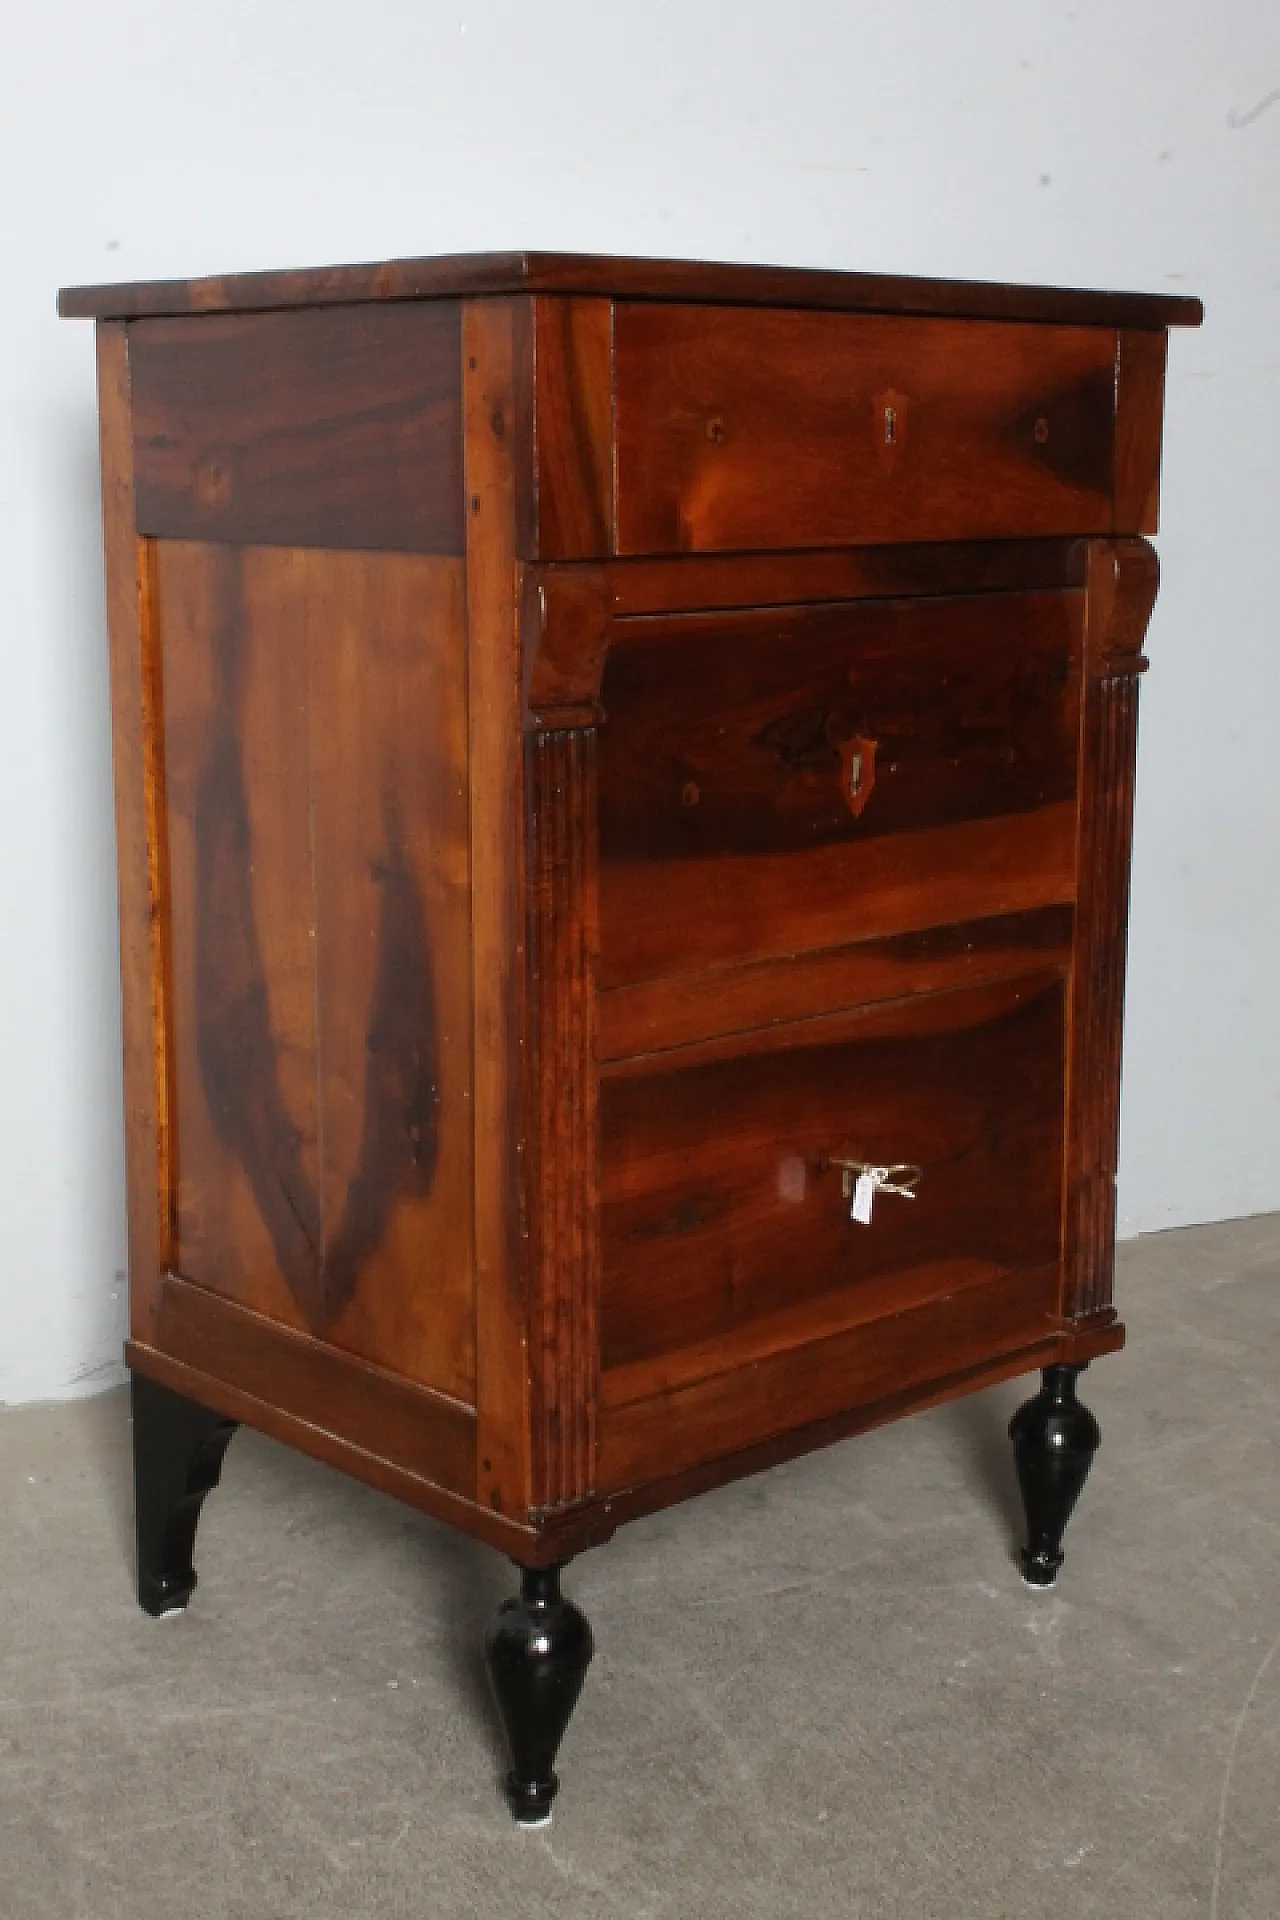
555,1534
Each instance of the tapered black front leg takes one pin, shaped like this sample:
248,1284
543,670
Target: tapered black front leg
538,1649
177,1458
1054,1441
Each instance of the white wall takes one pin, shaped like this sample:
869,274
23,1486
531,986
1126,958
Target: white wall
1124,144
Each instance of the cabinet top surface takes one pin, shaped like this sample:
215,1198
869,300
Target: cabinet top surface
455,275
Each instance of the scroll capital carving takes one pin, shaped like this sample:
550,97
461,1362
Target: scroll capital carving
1121,581
565,628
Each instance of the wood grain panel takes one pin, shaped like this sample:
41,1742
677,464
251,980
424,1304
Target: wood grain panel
136,741
339,428
884,429
727,1413
315,738
426,1433
654,1015
573,415
563,1170
661,1488
777,781
451,275
1140,367
661,918
721,1203
732,734
1124,577
391,875
804,1322
692,583
491,334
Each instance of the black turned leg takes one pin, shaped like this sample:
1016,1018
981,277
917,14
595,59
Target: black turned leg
1054,1441
177,1457
538,1649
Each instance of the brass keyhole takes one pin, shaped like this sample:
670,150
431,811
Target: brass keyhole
890,426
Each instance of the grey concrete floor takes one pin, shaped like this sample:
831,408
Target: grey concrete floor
821,1692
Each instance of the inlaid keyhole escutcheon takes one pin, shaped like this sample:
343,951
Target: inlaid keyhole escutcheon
857,772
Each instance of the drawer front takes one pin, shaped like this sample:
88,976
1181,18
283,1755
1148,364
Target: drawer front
727,1235
739,429
787,780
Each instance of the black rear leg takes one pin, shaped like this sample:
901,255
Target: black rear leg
178,1448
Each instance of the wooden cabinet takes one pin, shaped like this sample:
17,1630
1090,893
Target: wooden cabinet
624,774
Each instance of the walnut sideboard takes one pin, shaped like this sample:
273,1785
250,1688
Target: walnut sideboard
624,777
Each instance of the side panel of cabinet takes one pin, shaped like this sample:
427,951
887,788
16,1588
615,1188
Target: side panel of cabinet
316,825
338,427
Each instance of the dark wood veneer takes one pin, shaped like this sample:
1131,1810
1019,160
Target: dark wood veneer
722,1202
340,428
979,429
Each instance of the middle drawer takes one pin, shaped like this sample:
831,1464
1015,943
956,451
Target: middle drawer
781,781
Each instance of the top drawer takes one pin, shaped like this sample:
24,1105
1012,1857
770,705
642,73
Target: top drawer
737,428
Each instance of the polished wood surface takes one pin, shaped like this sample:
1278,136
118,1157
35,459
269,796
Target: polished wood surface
977,429
599,743
137,741
333,429
430,1434
451,276
663,1433
729,828
652,1016
1122,589
766,734
1140,370
572,511
320,944
562,1101
693,584
725,1218
493,334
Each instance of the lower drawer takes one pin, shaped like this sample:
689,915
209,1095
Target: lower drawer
727,1236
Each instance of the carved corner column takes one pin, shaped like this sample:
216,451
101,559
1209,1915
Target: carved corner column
1121,581
564,636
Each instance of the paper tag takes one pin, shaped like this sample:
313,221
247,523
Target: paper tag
863,1194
